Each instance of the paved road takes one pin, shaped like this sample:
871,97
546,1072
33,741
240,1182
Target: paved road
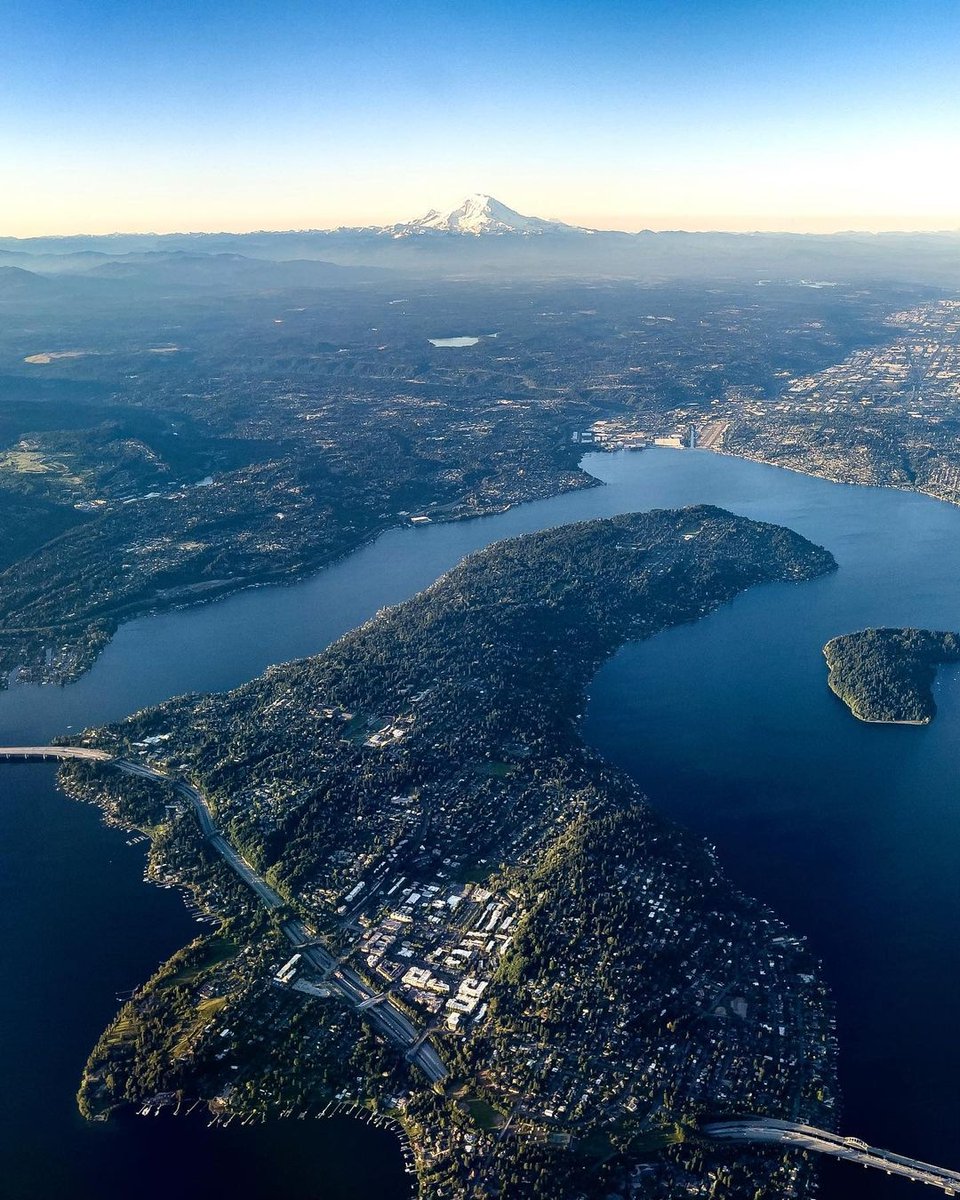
37,753
821,1141
384,1016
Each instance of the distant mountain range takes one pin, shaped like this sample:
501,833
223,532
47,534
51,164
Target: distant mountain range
481,237
15,280
477,216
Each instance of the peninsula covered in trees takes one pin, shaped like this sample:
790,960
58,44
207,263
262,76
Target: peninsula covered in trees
418,805
886,675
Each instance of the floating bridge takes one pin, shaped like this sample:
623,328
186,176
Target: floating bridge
381,1012
807,1137
42,753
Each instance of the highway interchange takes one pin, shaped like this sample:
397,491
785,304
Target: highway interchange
395,1026
379,1010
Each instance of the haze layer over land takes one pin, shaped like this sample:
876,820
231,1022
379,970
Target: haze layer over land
191,414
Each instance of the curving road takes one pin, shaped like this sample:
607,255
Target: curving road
821,1141
383,1015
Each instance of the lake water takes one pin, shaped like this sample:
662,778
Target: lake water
77,926
852,832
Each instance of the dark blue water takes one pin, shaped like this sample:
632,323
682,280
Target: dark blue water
77,925
852,832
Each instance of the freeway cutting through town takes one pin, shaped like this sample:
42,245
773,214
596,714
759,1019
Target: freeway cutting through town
380,1011
821,1141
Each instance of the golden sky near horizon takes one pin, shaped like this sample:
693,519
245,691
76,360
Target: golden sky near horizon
713,114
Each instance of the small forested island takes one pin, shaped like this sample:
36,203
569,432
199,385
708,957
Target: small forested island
886,675
437,905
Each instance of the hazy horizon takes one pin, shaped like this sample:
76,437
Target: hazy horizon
674,223
739,115
625,223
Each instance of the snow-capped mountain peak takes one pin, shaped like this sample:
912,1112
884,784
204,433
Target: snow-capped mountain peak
480,214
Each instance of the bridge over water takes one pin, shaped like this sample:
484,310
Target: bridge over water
42,753
821,1141
395,1025
384,1015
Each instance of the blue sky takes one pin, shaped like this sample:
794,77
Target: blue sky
696,114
